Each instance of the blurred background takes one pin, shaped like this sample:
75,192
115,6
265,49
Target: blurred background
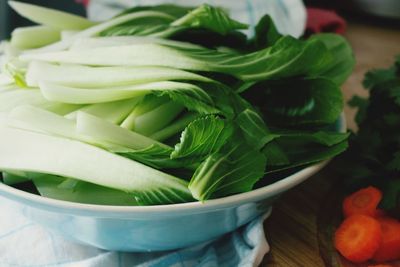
9,20
382,12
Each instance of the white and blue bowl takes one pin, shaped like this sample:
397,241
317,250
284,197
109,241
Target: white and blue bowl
153,228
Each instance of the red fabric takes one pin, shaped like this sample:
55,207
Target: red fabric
83,2
322,20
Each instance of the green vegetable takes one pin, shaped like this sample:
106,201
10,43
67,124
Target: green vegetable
92,77
202,137
236,168
212,18
147,185
12,178
51,186
114,112
266,33
342,60
34,37
50,17
288,57
315,101
375,147
165,104
99,129
193,22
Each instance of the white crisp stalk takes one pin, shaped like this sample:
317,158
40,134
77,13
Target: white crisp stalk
34,36
10,99
92,77
158,118
51,17
55,92
103,130
175,127
36,119
95,30
65,94
5,80
42,121
127,55
66,34
114,112
28,151
94,42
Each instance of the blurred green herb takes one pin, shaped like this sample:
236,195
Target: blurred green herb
374,154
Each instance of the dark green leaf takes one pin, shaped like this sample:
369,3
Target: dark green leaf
212,18
202,137
233,170
254,129
311,101
391,195
341,62
325,138
376,77
394,164
193,98
139,30
300,154
266,33
155,156
288,57
361,104
172,10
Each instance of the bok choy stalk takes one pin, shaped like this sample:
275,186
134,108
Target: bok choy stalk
288,57
101,167
165,104
50,17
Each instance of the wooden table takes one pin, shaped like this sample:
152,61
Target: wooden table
292,230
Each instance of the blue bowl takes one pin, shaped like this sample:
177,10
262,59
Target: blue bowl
153,228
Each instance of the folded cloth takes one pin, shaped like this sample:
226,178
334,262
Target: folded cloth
322,20
26,244
288,15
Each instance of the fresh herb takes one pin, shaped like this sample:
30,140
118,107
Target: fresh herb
375,147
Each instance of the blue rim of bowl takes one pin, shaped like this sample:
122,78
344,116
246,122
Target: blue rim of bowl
213,204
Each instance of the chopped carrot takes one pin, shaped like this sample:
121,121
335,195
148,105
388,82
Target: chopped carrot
390,246
364,201
358,238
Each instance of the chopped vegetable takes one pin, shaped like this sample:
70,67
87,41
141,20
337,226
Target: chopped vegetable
358,238
390,247
365,202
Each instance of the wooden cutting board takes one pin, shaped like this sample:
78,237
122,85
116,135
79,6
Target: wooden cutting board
299,230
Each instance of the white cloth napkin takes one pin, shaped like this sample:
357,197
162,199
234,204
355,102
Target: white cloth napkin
26,244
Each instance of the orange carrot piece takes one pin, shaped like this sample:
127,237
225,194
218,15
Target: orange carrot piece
358,238
390,246
364,201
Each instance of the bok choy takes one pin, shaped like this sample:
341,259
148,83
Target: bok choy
164,104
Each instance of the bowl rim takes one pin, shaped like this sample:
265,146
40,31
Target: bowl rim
212,204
